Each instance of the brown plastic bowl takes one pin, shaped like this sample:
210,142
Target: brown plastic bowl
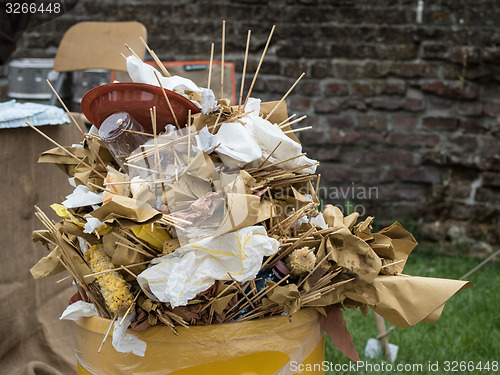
136,99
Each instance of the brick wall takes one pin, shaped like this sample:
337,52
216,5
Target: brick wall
405,115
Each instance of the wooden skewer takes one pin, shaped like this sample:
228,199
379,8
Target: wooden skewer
210,66
393,263
268,156
317,186
127,270
107,333
116,269
142,168
101,188
168,101
130,307
297,130
64,149
258,66
282,161
132,51
189,137
123,55
156,59
63,279
137,250
73,120
284,97
242,291
288,119
222,60
293,122
244,70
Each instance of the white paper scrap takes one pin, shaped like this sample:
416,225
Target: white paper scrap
145,73
82,196
193,268
125,342
79,309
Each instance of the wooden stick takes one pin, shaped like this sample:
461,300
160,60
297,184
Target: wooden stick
156,59
189,137
384,341
132,51
242,291
168,101
222,60
258,66
127,270
392,264
285,121
64,149
293,122
63,279
73,120
101,188
268,156
210,66
284,97
297,130
130,307
116,269
107,333
281,161
244,69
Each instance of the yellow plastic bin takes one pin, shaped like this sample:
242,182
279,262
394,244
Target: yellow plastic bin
273,345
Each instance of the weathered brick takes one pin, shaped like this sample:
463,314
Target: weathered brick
335,88
394,87
470,108
491,147
492,109
354,103
463,54
363,88
425,175
433,51
396,51
346,71
416,140
315,137
326,106
378,123
321,69
403,122
350,137
466,143
387,157
328,154
491,179
414,105
440,123
472,126
344,122
310,88
452,89
300,103
294,69
385,104
488,195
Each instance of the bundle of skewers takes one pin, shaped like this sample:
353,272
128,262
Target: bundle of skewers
213,217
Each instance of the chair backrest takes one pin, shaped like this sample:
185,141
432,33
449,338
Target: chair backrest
98,45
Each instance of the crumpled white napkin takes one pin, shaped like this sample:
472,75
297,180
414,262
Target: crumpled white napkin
82,196
125,342
79,309
180,276
144,73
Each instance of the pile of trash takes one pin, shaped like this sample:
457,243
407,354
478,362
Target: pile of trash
215,218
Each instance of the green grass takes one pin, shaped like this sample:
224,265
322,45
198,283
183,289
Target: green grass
468,329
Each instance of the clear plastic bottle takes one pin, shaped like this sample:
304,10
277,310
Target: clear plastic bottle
121,143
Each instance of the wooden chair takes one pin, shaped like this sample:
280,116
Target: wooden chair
97,45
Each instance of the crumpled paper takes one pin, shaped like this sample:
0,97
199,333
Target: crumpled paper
208,101
193,268
82,196
125,342
145,73
79,309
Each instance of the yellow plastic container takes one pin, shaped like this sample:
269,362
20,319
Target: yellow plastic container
261,347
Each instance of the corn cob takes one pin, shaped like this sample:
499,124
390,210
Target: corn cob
113,287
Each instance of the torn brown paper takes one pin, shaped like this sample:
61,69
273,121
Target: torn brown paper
408,300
